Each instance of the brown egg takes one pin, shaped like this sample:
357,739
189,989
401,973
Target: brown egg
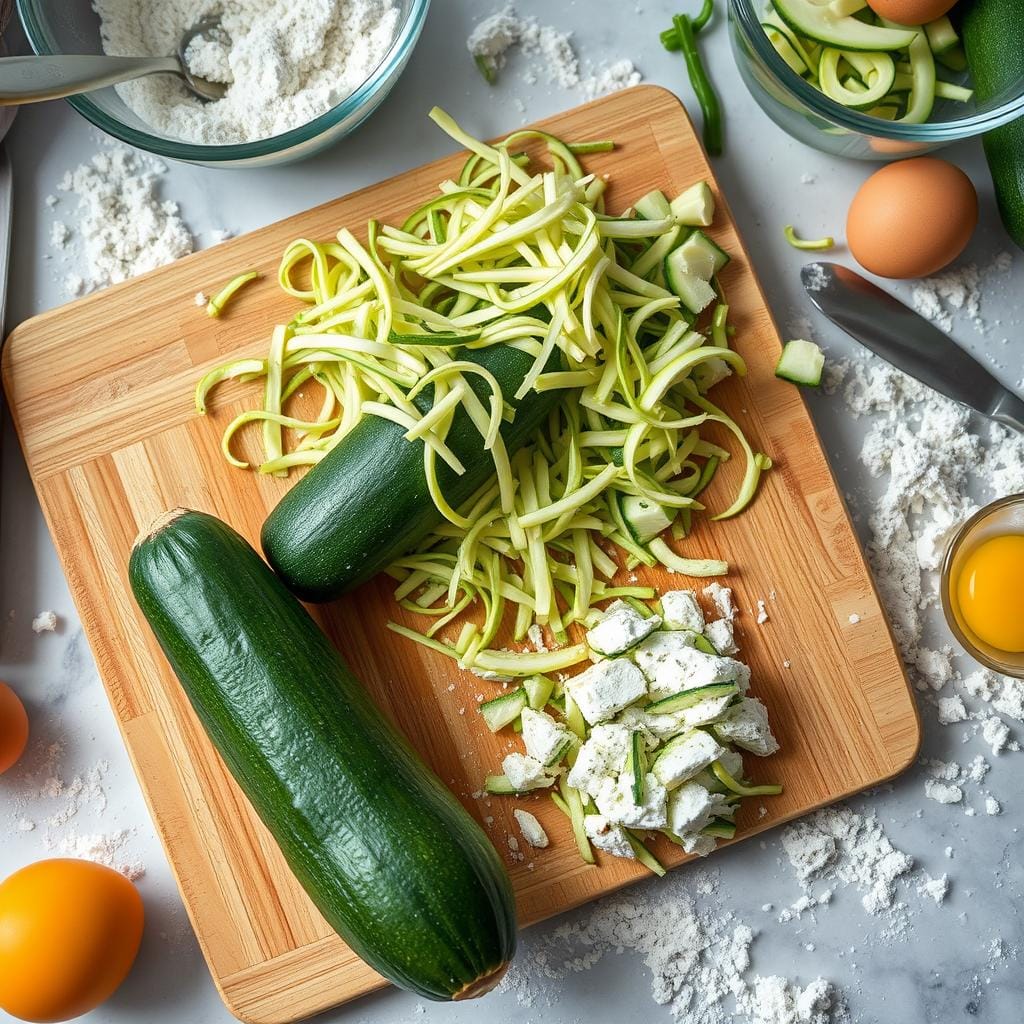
911,12
912,218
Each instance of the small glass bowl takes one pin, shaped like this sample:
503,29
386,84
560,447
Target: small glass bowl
810,116
71,26
997,519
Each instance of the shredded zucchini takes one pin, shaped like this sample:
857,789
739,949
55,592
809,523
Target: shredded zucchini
216,305
817,244
516,254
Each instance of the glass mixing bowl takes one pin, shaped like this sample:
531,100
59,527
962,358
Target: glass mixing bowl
71,26
813,118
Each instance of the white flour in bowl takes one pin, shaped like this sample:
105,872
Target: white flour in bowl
287,63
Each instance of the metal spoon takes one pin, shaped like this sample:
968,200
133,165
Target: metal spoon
31,79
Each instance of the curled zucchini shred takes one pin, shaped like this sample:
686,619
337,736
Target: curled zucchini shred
517,250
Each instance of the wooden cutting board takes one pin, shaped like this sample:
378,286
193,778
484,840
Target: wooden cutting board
101,392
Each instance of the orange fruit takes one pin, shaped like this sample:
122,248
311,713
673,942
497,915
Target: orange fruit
69,933
13,728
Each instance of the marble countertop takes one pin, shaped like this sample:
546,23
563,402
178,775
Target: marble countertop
942,970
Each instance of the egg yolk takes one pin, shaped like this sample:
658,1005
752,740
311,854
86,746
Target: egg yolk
990,592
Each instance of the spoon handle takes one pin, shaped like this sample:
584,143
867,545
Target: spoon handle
31,79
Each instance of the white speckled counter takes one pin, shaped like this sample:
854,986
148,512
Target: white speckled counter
941,972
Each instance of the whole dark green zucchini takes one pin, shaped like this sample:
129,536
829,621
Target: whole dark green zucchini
993,33
392,860
367,503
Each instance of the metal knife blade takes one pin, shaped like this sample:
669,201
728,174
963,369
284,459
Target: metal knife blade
908,341
6,209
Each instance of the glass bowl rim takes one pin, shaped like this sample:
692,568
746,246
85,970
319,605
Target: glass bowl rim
178,149
963,530
744,12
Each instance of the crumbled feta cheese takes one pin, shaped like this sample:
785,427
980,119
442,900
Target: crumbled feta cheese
663,645
546,740
695,843
621,627
762,612
720,635
615,801
606,688
732,762
608,837
654,727
525,773
704,713
689,808
682,758
603,755
746,725
532,830
44,622
722,598
672,664
680,610
200,299
992,805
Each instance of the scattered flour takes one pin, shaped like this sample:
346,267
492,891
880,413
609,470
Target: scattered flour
698,956
806,903
951,710
548,52
996,733
44,622
61,806
957,292
936,470
934,888
838,844
107,849
286,63
775,1000
59,234
123,227
943,792
810,850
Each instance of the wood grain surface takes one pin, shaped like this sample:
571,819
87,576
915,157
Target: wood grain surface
101,392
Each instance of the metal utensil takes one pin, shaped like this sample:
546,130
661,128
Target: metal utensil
32,79
6,210
908,341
